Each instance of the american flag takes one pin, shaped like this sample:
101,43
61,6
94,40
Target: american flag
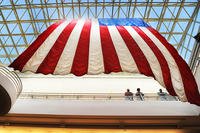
94,46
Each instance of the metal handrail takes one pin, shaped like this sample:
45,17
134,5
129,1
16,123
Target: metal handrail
83,96
141,97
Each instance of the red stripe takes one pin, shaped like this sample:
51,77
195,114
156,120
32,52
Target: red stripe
161,59
188,79
80,62
49,63
136,52
111,61
19,63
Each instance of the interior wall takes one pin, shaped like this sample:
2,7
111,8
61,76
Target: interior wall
104,107
88,84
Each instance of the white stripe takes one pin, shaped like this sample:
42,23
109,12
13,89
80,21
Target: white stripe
174,70
95,65
39,55
66,60
126,60
151,58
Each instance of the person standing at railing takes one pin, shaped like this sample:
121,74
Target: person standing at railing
162,95
139,95
128,95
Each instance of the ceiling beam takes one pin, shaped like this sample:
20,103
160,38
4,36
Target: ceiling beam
176,19
189,24
18,22
9,32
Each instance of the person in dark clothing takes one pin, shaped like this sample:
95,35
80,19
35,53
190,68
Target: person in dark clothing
139,95
128,95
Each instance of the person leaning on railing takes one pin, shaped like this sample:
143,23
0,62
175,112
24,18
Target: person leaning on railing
139,95
162,95
128,95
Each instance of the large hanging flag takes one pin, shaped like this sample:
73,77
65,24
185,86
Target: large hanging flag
94,46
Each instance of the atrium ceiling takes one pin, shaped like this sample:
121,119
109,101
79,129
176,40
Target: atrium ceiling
21,21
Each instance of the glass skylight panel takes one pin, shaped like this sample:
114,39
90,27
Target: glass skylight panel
30,38
172,40
5,2
137,13
153,24
20,49
38,14
196,29
2,52
141,10
19,2
10,50
53,13
8,14
17,40
191,44
6,40
184,14
173,10
187,56
157,10
168,14
14,28
163,28
35,1
3,29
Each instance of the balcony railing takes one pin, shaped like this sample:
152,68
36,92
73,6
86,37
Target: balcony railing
95,96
